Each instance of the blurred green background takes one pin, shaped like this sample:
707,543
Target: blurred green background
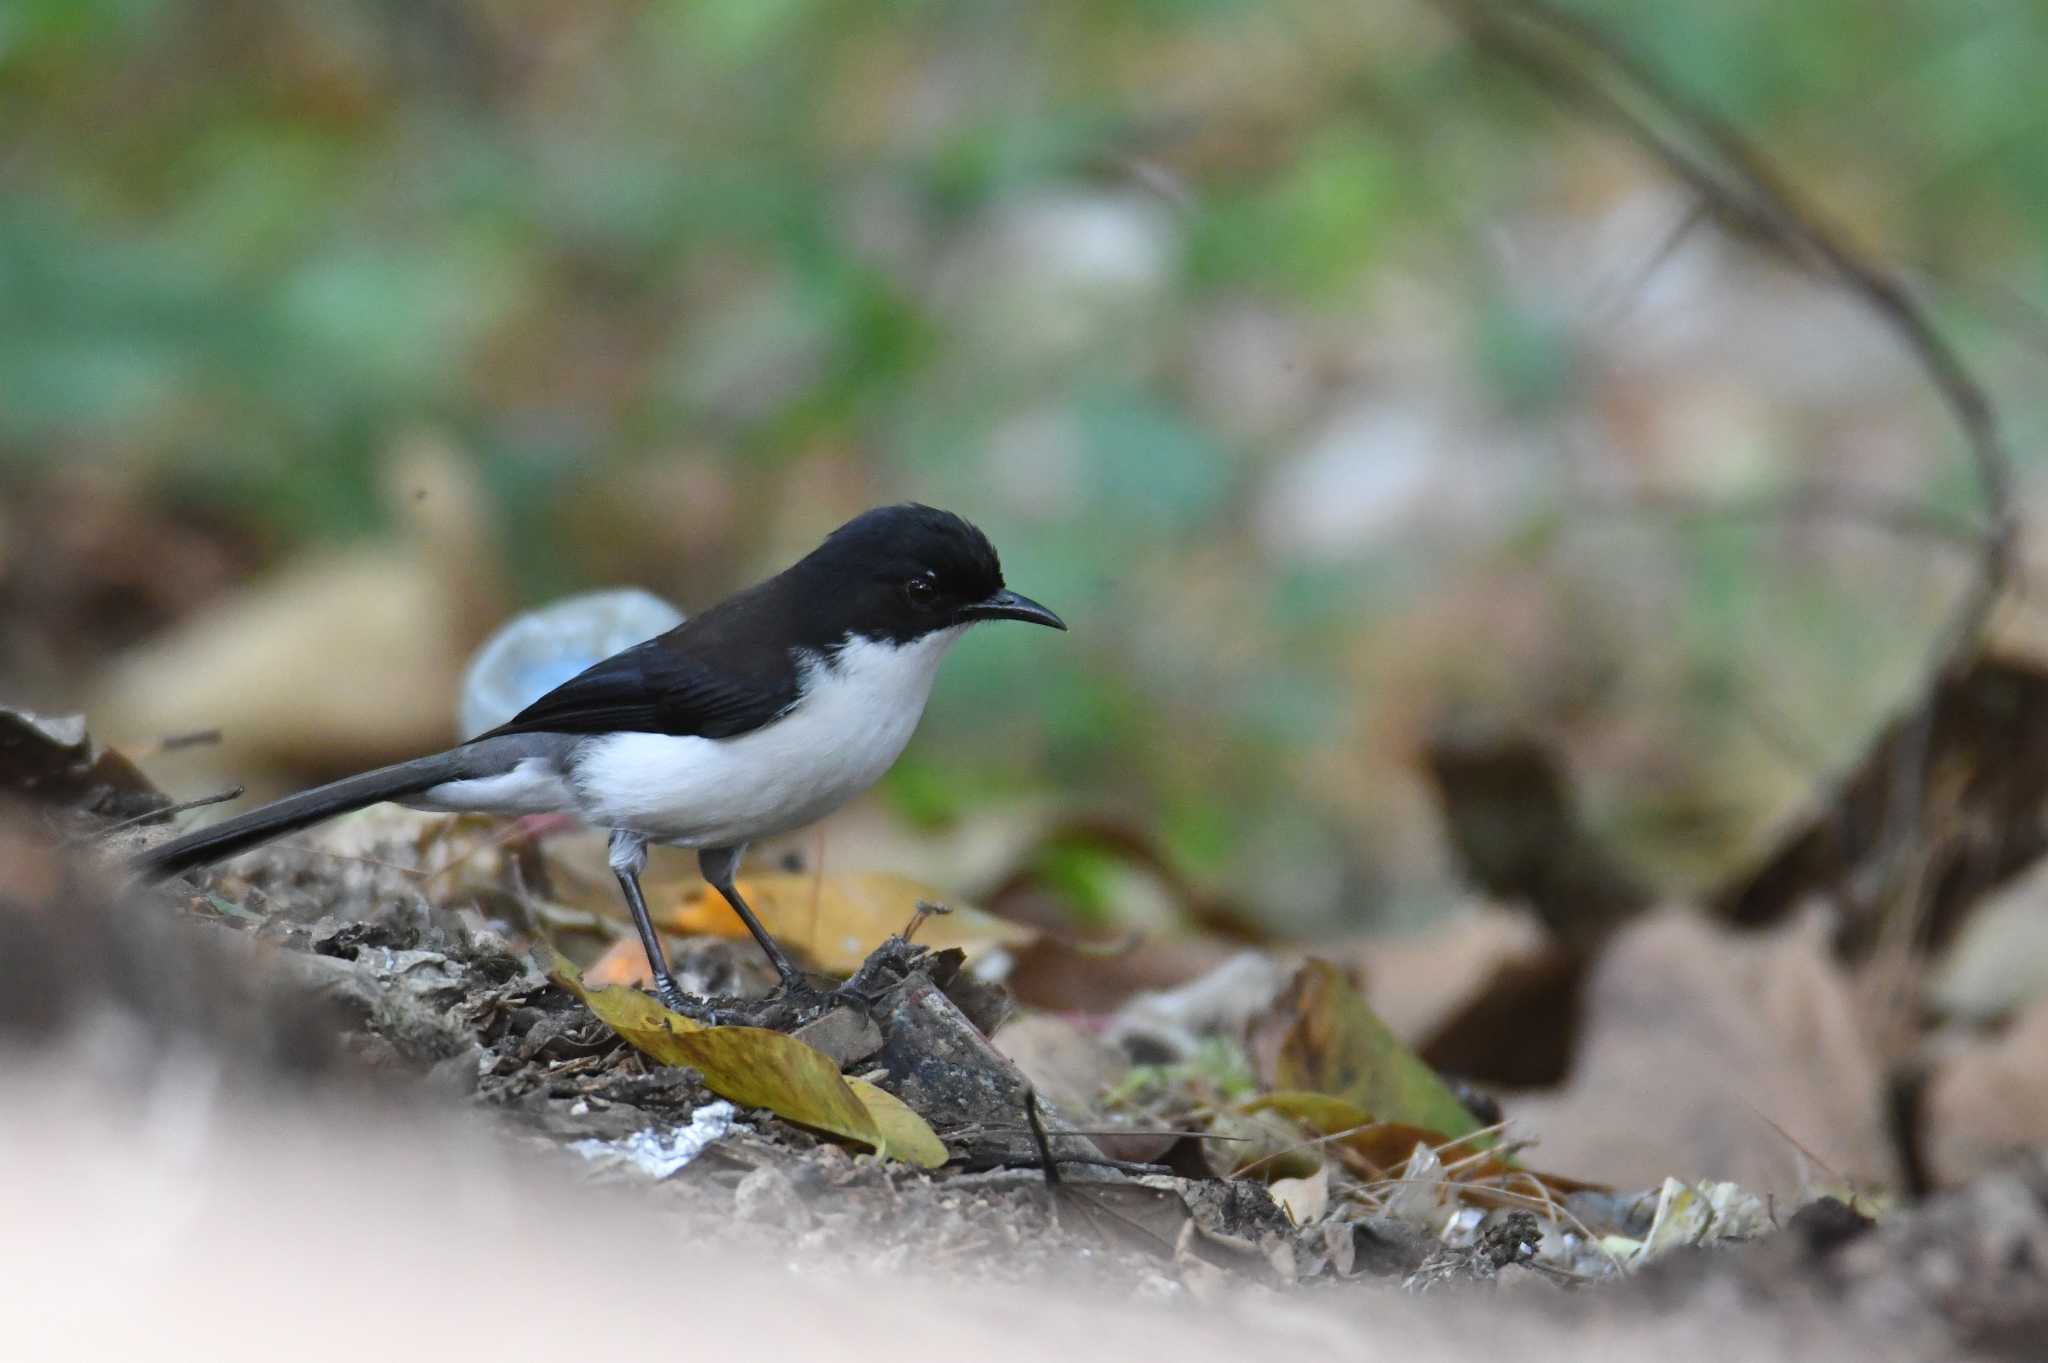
1304,360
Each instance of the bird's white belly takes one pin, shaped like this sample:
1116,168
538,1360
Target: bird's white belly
855,718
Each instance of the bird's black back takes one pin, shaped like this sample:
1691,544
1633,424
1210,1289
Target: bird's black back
739,665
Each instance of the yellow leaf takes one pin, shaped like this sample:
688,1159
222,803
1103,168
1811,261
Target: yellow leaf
1323,1113
838,920
905,1135
758,1068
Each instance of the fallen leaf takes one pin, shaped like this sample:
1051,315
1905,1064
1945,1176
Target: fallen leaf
1262,1144
758,1068
836,921
1072,977
839,919
1069,1065
1334,1044
51,760
1303,1199
1988,1098
905,1135
1743,1054
1481,1174
1373,1149
279,664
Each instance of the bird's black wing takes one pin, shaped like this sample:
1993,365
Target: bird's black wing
656,688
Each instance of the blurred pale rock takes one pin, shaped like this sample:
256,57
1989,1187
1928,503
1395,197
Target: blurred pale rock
1169,1024
1253,372
1035,462
2000,963
1377,470
1045,275
1656,298
1069,1066
753,355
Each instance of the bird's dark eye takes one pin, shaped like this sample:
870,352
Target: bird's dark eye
922,592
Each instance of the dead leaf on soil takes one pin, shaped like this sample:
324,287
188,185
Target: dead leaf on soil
1479,1175
52,761
836,920
759,1068
1988,1098
1727,1054
1303,1199
279,663
905,1135
1372,1149
1331,1042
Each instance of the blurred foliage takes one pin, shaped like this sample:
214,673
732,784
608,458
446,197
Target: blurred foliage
1275,344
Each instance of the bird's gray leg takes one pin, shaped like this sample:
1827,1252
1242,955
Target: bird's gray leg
719,864
628,859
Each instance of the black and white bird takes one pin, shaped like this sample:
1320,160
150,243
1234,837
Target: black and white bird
763,714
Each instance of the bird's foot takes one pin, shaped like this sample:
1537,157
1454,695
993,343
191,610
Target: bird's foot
798,987
850,994
675,1000
811,997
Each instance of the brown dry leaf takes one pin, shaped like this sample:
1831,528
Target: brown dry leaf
337,657
1072,977
51,760
1380,1150
1418,982
838,919
1988,1098
1720,1054
1333,1043
1371,1149
758,1068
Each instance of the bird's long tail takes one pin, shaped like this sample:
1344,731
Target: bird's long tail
294,812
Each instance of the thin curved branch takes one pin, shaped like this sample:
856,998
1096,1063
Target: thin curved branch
1585,68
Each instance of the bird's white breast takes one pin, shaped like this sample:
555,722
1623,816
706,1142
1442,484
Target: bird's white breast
858,710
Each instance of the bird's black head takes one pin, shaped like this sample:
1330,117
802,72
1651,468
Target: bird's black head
902,572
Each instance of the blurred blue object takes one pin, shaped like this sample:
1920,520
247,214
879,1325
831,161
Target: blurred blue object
538,650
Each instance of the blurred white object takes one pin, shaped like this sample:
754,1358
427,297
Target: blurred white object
1043,276
1169,1024
662,1154
534,652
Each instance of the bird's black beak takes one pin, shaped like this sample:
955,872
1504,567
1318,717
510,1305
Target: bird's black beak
1007,605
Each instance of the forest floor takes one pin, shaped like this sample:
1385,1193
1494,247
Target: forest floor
305,985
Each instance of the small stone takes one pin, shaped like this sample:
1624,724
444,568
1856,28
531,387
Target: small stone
766,1196
847,1035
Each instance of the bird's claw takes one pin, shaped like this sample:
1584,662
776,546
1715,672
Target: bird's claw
850,995
803,991
675,1000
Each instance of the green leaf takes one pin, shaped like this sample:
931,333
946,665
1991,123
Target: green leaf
1337,1045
